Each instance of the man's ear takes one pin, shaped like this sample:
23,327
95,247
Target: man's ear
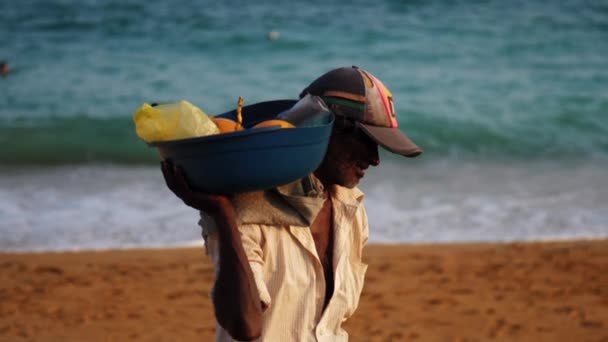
343,124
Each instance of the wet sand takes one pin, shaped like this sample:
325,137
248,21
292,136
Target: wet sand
447,292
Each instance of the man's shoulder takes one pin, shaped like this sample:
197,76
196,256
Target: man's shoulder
265,207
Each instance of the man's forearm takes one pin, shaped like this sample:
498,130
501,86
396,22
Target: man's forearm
235,297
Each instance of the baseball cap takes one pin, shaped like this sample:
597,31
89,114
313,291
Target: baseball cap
357,94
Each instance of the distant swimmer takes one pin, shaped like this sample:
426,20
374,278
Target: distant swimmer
274,35
4,70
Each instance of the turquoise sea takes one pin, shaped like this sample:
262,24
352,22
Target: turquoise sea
508,99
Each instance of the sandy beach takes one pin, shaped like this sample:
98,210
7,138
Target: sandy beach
448,292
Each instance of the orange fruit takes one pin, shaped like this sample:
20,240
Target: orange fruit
227,125
274,122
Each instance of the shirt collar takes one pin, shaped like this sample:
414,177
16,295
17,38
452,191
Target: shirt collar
308,194
352,197
297,203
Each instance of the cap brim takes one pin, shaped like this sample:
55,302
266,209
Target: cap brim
392,139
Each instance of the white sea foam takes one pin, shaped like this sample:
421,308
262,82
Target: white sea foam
91,207
100,207
468,201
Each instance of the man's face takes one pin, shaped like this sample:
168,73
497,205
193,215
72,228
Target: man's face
349,153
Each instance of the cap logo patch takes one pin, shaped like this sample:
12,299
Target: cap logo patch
387,101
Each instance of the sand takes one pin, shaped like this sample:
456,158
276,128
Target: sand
447,292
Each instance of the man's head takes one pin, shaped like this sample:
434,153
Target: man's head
349,153
365,117
4,68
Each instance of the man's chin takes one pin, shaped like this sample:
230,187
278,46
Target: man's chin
350,184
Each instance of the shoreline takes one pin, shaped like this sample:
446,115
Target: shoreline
437,200
523,291
201,244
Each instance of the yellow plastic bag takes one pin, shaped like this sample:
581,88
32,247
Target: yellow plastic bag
172,121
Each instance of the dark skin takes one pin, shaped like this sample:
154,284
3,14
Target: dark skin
322,235
236,301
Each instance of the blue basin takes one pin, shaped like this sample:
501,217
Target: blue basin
252,159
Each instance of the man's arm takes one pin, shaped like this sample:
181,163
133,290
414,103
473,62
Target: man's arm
236,298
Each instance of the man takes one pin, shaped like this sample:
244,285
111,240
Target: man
289,260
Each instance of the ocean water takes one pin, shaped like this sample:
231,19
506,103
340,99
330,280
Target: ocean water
508,99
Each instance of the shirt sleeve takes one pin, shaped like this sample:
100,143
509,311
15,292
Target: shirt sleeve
253,242
208,229
252,239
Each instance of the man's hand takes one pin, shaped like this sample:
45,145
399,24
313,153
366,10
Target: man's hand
209,203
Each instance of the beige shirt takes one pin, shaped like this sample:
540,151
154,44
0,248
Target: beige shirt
289,274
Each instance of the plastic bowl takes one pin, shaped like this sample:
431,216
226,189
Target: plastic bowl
252,159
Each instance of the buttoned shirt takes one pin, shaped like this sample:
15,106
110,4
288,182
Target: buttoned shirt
289,274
